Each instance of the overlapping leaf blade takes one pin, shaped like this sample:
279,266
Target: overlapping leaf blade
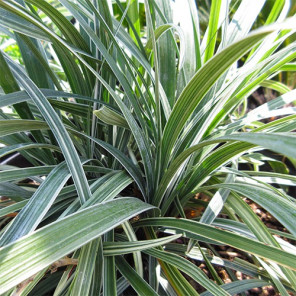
43,247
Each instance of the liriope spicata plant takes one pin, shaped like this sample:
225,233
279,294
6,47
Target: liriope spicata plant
120,115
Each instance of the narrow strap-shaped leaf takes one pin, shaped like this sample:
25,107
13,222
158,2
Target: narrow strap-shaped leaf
34,287
31,52
189,268
266,72
22,96
73,71
73,108
81,283
25,146
243,20
107,56
7,81
111,117
137,131
166,53
283,210
159,31
21,173
33,212
214,207
104,189
262,233
42,64
133,14
14,192
259,112
216,204
289,67
58,130
200,84
131,168
137,256
187,21
10,126
13,126
276,85
265,251
269,141
115,248
227,152
30,254
172,274
124,36
140,286
240,286
98,271
10,85
18,24
109,270
31,62
13,208
270,177
212,29
111,188
237,264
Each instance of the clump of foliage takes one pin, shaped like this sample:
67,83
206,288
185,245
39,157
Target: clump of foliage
126,113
